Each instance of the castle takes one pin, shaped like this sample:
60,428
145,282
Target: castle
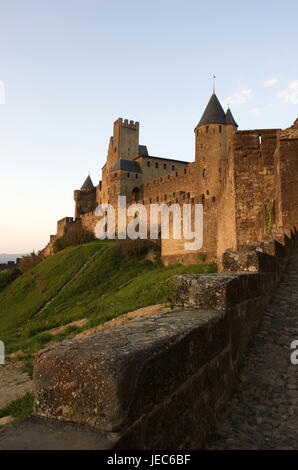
246,180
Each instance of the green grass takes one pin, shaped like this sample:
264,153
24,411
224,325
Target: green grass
19,408
7,277
23,298
108,287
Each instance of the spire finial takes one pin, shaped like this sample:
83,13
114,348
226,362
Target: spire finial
214,77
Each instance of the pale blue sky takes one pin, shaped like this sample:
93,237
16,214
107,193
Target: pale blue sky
72,67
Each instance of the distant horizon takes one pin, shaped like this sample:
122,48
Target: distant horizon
5,257
69,69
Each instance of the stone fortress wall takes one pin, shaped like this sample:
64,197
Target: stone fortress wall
246,181
160,382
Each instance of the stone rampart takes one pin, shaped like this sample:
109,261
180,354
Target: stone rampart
159,382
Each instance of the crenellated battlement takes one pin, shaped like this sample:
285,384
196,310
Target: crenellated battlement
245,179
126,123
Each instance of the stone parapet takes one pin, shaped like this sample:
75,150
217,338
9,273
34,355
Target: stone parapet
159,382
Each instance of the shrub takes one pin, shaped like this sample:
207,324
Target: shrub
29,261
7,276
74,234
202,256
131,249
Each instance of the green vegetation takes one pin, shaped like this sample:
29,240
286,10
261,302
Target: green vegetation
21,300
28,262
19,408
73,235
107,287
7,276
131,249
202,256
269,218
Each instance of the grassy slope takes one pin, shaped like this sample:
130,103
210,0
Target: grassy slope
107,287
22,299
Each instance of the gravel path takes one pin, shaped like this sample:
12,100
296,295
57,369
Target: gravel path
13,383
263,411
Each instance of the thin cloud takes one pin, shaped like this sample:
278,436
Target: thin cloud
239,97
2,92
270,82
290,94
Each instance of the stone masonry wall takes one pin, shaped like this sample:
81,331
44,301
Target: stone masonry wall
159,382
253,179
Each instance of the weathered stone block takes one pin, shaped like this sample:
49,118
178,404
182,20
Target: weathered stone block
240,261
110,379
213,291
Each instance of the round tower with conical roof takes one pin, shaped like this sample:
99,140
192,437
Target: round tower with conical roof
213,134
85,198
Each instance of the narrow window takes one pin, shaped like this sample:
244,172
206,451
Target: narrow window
156,165
148,163
136,177
173,167
185,171
128,175
220,129
207,129
165,166
207,192
213,198
204,173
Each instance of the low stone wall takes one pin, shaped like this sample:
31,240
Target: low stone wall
159,382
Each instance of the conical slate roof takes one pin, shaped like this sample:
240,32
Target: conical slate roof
88,183
213,114
230,118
